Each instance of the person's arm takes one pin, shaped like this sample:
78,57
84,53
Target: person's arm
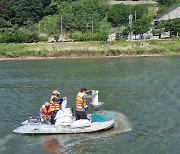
92,95
84,97
40,113
60,101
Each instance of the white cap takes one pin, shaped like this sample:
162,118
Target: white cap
47,104
56,92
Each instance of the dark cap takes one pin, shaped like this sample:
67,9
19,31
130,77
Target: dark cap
55,99
83,89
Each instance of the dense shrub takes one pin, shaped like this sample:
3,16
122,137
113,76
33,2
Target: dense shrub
18,36
90,36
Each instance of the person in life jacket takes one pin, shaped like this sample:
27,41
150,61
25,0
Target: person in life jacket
45,113
81,104
55,94
55,103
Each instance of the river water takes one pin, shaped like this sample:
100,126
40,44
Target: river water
144,91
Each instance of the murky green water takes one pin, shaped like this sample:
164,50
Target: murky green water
145,92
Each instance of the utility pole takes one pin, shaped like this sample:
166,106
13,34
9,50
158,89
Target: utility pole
135,15
130,25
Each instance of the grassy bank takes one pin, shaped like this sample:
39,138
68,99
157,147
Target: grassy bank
86,49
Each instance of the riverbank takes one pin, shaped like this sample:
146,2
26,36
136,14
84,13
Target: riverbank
90,49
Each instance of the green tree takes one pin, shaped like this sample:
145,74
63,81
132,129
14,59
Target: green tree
18,36
125,32
118,15
82,15
25,10
48,25
4,23
141,26
51,9
173,26
158,29
167,2
5,9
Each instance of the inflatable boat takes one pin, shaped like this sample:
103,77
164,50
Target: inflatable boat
67,124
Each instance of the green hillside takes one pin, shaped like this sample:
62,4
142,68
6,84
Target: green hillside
80,20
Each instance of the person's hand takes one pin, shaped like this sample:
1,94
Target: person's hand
93,91
60,100
86,108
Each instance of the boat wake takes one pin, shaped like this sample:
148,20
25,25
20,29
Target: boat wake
122,125
4,141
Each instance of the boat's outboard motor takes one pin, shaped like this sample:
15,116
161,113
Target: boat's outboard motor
95,103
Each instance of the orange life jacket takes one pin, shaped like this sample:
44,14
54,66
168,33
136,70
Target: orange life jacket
54,105
79,102
46,112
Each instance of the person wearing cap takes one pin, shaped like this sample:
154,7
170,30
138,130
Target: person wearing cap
81,104
55,103
45,113
55,94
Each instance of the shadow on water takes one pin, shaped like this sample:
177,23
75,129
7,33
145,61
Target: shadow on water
53,146
67,143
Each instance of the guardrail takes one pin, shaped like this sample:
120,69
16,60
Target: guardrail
131,2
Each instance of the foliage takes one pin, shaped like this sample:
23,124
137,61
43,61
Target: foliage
168,2
93,17
85,48
4,23
141,26
90,36
25,12
158,29
5,9
43,38
60,1
164,5
48,25
118,14
171,25
82,15
18,36
51,9
125,32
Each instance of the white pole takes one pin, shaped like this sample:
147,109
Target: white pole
92,26
61,26
39,27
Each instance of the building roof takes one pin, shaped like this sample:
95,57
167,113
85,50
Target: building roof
172,13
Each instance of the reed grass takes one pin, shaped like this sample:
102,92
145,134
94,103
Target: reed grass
78,49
